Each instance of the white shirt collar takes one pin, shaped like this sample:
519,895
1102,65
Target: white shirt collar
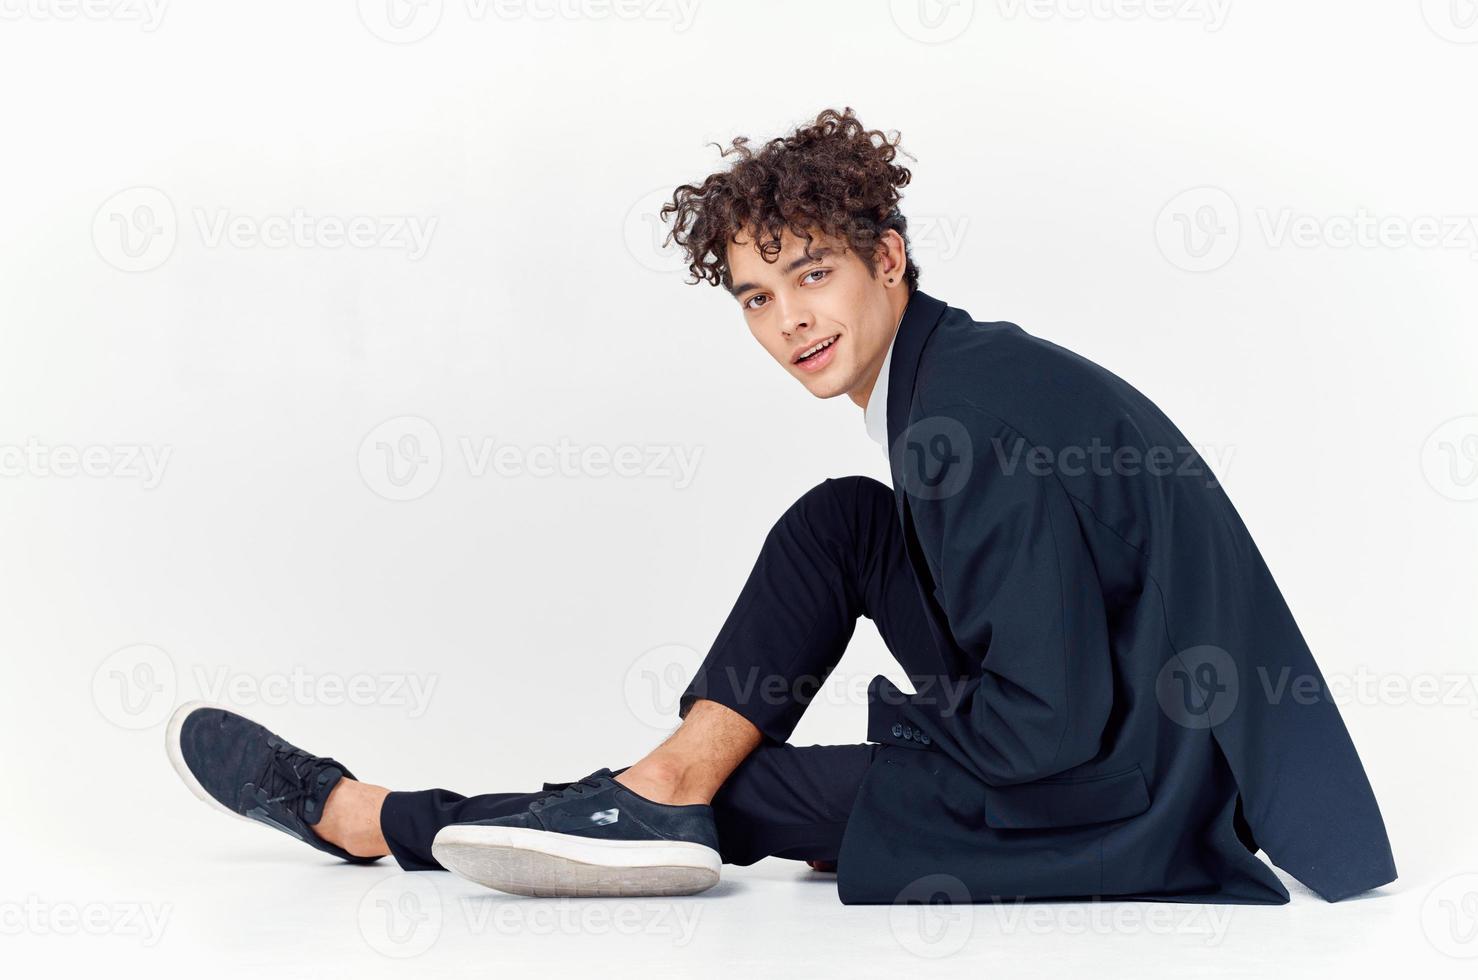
876,413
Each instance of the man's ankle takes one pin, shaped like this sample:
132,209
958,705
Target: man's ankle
664,781
351,818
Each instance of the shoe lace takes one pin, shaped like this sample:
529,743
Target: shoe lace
580,787
291,775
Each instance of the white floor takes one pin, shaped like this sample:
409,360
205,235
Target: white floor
233,901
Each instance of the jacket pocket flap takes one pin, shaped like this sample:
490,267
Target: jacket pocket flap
1067,802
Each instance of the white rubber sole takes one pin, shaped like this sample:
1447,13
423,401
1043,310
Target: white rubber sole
542,864
177,757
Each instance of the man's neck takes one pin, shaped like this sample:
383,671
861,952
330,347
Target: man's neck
861,394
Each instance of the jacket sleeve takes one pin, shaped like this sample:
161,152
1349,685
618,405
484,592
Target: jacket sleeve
1023,601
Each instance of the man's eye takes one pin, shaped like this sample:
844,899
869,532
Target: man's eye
748,304
815,272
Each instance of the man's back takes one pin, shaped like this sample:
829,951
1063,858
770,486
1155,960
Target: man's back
1133,710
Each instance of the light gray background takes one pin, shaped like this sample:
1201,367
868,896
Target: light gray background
1165,189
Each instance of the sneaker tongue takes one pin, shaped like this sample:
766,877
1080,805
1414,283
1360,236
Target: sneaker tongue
322,783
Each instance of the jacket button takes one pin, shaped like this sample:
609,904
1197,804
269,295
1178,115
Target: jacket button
907,732
897,730
924,738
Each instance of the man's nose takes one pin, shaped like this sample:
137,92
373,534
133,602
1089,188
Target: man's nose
795,320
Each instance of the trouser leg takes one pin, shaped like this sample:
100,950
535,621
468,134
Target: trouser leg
836,554
783,801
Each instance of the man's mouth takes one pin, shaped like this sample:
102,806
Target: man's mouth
818,355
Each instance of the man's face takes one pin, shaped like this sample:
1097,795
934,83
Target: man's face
795,303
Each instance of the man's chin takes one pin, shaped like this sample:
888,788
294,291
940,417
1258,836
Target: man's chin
826,387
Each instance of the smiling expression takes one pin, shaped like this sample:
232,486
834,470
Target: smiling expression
822,316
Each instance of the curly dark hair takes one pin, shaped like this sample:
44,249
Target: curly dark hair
832,175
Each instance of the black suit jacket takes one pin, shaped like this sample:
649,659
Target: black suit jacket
1123,704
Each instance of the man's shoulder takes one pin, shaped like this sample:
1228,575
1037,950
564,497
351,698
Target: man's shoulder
1044,391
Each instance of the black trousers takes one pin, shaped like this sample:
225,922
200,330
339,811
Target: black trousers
835,554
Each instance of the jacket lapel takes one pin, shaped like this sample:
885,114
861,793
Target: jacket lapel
919,320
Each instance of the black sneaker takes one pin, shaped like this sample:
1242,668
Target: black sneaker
241,768
590,838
